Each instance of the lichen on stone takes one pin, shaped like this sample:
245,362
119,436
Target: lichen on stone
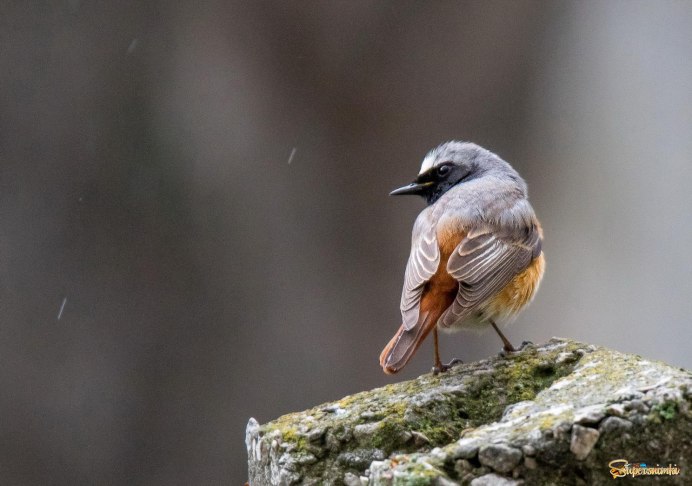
509,416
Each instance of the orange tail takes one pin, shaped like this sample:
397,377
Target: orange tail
404,344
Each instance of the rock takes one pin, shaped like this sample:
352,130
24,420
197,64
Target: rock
419,439
583,440
556,413
616,409
364,432
359,459
589,415
466,449
615,424
351,479
494,480
499,457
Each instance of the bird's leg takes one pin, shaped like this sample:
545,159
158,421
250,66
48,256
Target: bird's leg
507,346
438,363
439,367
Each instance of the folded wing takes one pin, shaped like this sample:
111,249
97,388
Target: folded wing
484,263
422,265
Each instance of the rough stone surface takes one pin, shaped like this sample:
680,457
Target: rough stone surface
499,457
494,480
557,413
583,440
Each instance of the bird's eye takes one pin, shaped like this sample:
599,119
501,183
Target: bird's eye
443,170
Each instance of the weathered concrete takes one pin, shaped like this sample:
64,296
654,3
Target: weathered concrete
557,413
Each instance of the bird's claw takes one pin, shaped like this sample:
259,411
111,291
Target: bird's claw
506,351
441,368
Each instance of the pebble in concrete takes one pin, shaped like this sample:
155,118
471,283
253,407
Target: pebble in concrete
583,440
500,457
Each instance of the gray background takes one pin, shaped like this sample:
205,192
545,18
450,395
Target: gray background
144,152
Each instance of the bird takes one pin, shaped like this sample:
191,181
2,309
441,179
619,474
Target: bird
476,251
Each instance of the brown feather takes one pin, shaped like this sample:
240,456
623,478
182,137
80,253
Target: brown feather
438,295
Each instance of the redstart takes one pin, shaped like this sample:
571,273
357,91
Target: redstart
476,256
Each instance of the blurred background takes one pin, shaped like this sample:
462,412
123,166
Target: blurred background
194,220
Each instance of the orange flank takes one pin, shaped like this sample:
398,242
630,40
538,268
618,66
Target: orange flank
519,292
438,295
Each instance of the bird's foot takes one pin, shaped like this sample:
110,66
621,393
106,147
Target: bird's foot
507,350
441,368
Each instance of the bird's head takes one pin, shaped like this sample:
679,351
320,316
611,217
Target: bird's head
450,164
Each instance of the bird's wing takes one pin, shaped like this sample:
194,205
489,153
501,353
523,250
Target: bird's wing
422,265
484,263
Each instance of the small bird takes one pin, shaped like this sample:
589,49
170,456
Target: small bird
476,250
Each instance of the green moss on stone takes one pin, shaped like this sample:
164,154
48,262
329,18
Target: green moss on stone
665,411
402,422
439,408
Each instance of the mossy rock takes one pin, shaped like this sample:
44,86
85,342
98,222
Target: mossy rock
557,413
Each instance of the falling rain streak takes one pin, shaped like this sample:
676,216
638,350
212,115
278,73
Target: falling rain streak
62,307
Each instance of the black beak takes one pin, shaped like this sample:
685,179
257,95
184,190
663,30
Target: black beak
416,188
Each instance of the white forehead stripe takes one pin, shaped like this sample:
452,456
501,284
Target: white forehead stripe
429,160
442,153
